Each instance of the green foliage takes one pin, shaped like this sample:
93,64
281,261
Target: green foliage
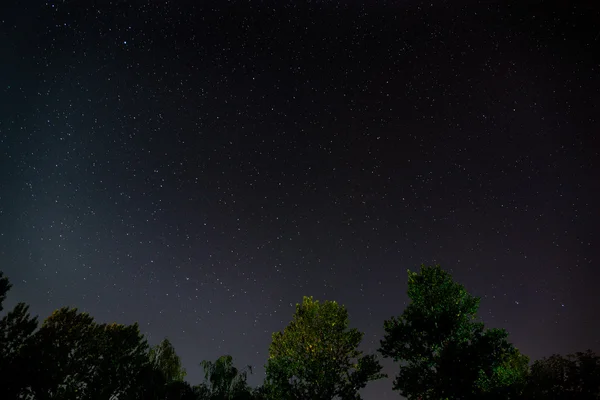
162,376
223,381
317,356
164,359
507,378
443,351
575,376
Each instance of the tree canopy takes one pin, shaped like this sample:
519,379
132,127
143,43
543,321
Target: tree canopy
442,350
574,376
317,356
223,381
79,357
163,358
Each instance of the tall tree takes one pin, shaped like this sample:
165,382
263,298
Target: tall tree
78,358
16,329
317,356
443,351
571,377
162,376
164,359
223,381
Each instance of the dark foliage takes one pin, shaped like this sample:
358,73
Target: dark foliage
575,376
443,351
444,354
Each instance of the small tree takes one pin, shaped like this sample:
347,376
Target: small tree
443,351
317,356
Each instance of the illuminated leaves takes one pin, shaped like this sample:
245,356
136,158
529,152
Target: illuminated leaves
442,351
317,356
164,359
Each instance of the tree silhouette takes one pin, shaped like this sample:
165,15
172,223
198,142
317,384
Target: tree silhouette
16,330
164,359
78,358
575,376
4,288
223,381
443,351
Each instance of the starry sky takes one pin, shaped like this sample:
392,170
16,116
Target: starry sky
199,166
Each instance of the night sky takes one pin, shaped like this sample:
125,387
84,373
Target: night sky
199,166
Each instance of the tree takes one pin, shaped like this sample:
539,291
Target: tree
260,393
78,358
575,376
162,376
509,371
164,359
4,288
223,381
444,352
122,351
317,356
178,390
16,329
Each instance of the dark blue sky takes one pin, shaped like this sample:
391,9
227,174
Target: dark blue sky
198,167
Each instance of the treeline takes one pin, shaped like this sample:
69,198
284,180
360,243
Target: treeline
442,352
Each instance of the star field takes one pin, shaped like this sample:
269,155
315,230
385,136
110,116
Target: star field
198,167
